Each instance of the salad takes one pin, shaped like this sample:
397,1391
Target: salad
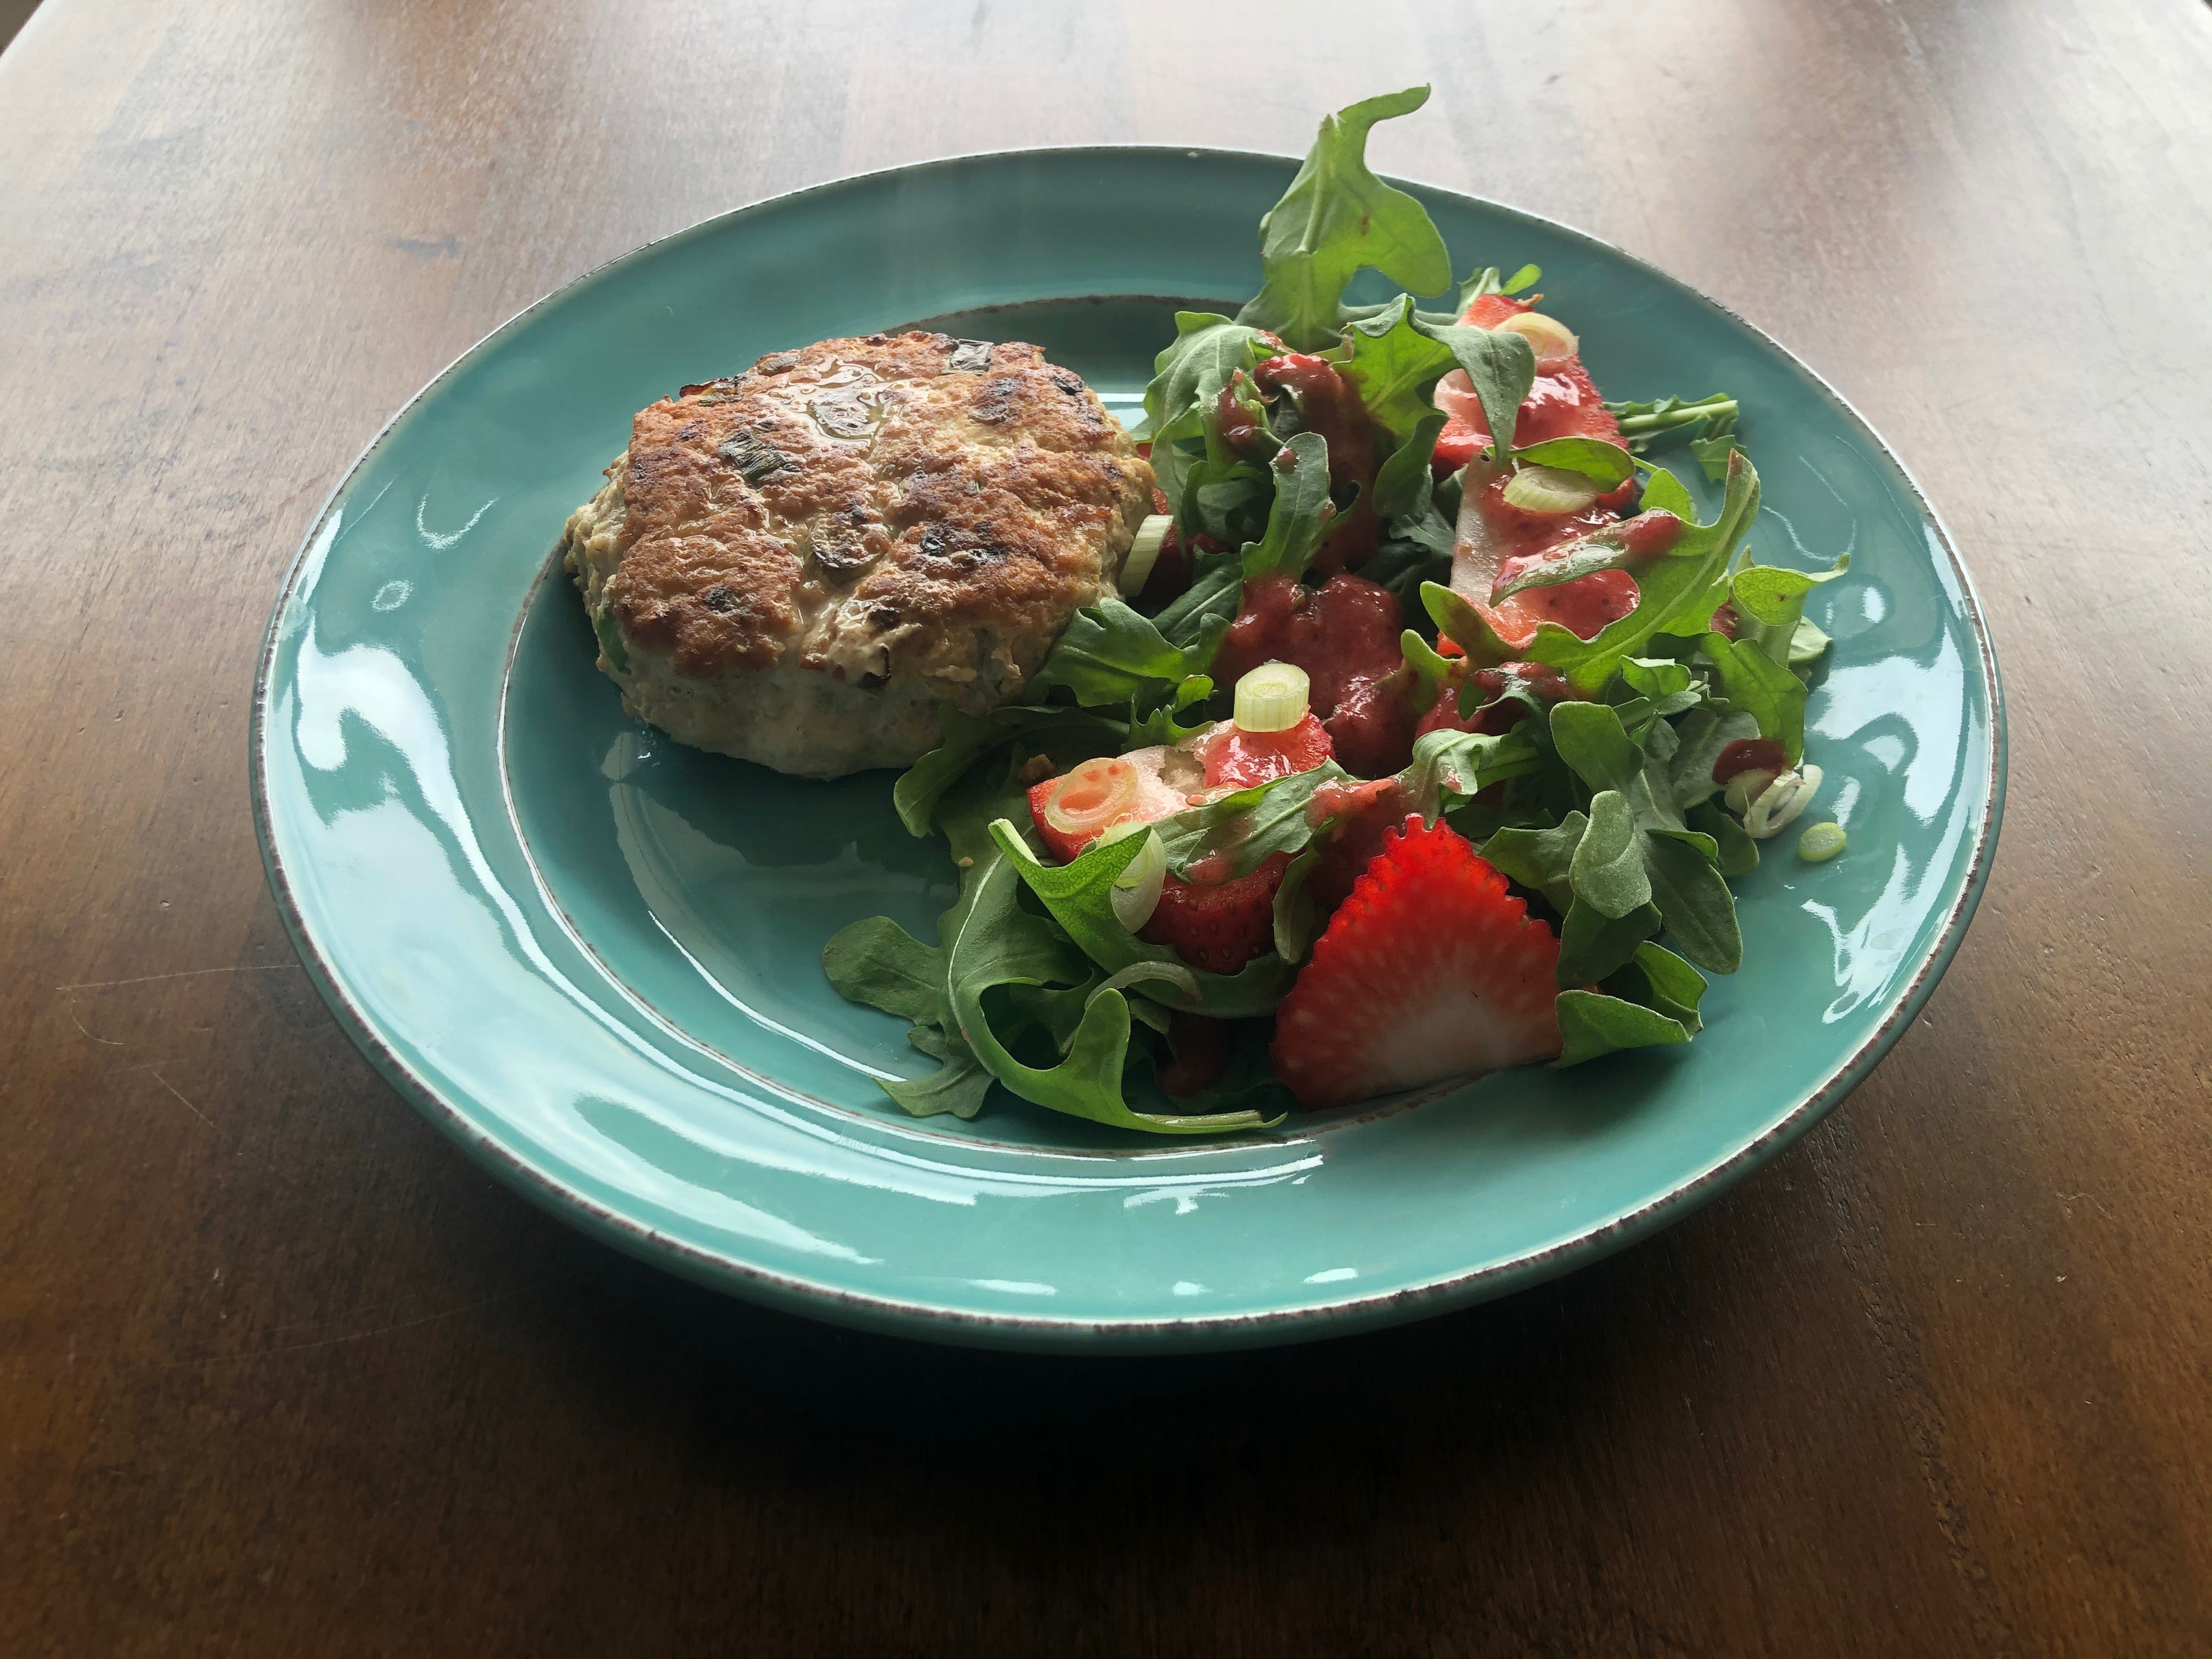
1423,740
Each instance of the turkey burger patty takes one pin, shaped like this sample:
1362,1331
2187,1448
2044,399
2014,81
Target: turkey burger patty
802,564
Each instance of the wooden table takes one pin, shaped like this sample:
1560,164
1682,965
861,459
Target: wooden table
280,1372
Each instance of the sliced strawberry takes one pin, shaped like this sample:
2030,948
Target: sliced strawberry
1240,759
1345,634
1219,926
1430,969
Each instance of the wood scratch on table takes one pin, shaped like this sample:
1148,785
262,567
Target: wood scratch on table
187,972
179,1094
112,1042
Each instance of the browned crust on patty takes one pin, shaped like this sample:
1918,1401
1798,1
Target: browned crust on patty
896,502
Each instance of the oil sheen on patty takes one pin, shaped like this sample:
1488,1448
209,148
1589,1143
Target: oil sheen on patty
803,564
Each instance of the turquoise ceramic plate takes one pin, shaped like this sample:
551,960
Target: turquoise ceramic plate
591,956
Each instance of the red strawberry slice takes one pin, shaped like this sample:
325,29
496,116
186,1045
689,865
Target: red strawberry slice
1241,759
1430,969
1219,926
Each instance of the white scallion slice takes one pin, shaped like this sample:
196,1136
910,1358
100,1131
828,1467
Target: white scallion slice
1272,697
1549,489
1136,891
1746,788
1778,805
1820,843
1553,341
1144,552
1092,796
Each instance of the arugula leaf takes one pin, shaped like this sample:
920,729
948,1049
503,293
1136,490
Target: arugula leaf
1676,593
1247,828
1770,599
1735,852
1430,671
1297,916
1594,1023
958,1086
1608,466
1080,895
1300,513
1694,899
1608,872
991,943
1180,402
1660,979
1593,946
1702,737
1067,734
1808,643
1160,726
1677,872
1405,485
1225,499
1395,366
1336,219
1109,654
1209,351
1502,364
1202,614
1601,551
1449,767
1540,858
1707,420
878,964
1764,689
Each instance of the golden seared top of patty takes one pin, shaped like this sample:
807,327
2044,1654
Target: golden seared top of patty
903,502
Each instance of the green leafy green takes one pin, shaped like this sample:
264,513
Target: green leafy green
1336,219
1592,945
1109,654
1608,466
1701,738
1395,365
1300,513
1676,873
878,963
1541,859
1764,689
958,1086
1709,424
1594,1023
1187,379
1502,364
1449,767
1067,734
992,944
1237,834
1770,602
1609,872
1080,895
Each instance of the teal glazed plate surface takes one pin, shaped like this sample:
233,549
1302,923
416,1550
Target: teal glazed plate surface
592,956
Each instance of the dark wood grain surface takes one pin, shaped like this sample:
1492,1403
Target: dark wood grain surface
280,1372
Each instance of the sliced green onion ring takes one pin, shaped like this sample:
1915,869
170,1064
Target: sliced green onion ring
1136,892
1820,843
1144,552
1272,697
1549,489
1553,341
1777,807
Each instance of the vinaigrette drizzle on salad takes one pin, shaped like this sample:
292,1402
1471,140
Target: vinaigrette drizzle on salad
1423,741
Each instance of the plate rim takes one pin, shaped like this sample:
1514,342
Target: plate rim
915,1319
